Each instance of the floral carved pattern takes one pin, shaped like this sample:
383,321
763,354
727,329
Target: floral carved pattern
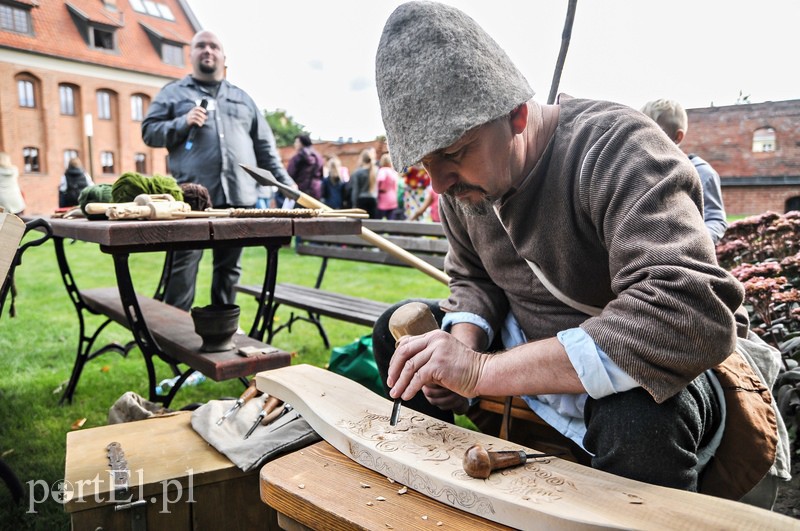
432,441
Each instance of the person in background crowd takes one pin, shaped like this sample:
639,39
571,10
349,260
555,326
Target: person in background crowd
73,181
387,188
306,166
364,184
431,202
11,198
332,185
206,146
673,120
416,182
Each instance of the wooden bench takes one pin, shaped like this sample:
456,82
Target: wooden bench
425,240
173,330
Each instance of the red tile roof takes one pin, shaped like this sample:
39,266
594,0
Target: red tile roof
56,33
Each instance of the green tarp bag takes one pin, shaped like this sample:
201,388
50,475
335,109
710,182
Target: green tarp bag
356,362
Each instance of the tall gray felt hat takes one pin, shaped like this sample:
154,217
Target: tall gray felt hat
439,75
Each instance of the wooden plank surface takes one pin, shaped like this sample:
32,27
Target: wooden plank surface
338,306
323,489
426,455
201,231
416,228
157,450
173,329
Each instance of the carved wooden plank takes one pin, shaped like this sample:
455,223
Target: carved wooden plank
426,455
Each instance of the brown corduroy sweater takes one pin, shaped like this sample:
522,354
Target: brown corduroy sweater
612,214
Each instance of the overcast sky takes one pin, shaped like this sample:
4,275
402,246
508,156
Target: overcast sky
316,58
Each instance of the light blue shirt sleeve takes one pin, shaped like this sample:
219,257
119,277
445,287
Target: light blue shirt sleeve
466,317
597,372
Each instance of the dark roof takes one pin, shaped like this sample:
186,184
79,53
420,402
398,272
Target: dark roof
58,32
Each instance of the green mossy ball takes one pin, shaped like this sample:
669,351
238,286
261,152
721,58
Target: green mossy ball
130,184
97,193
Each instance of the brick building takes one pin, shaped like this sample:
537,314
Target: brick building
78,78
755,148
348,152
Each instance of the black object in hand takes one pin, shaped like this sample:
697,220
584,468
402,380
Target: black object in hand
193,130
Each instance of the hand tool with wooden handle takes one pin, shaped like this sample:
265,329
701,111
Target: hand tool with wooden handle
266,178
480,463
249,393
271,404
410,319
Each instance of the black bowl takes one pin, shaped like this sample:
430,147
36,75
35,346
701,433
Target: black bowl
216,324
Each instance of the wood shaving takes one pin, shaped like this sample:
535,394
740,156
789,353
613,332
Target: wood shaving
390,480
439,523
403,490
365,485
380,498
388,526
301,486
370,504
78,424
424,516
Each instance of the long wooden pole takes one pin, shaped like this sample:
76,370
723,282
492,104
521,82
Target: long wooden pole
382,243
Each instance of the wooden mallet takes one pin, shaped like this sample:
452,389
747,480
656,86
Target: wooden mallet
410,319
480,463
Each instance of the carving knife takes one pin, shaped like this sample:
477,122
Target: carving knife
249,393
270,405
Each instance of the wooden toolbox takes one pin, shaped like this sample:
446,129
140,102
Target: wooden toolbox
176,481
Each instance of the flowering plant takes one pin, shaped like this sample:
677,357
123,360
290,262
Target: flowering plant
763,252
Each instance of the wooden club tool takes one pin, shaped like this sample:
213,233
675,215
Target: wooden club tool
480,463
410,319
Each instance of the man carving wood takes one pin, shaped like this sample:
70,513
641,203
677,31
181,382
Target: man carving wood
578,254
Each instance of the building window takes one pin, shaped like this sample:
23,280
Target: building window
107,161
172,54
102,39
67,96
137,108
103,105
26,93
69,154
140,159
31,156
764,140
156,9
15,19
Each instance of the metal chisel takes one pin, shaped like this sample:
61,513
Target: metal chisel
249,393
271,404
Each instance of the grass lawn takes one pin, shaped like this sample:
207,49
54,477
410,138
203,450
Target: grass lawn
37,351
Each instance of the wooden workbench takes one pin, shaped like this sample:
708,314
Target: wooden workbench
320,488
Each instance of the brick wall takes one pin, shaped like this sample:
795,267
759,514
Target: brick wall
45,128
724,137
750,200
348,153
